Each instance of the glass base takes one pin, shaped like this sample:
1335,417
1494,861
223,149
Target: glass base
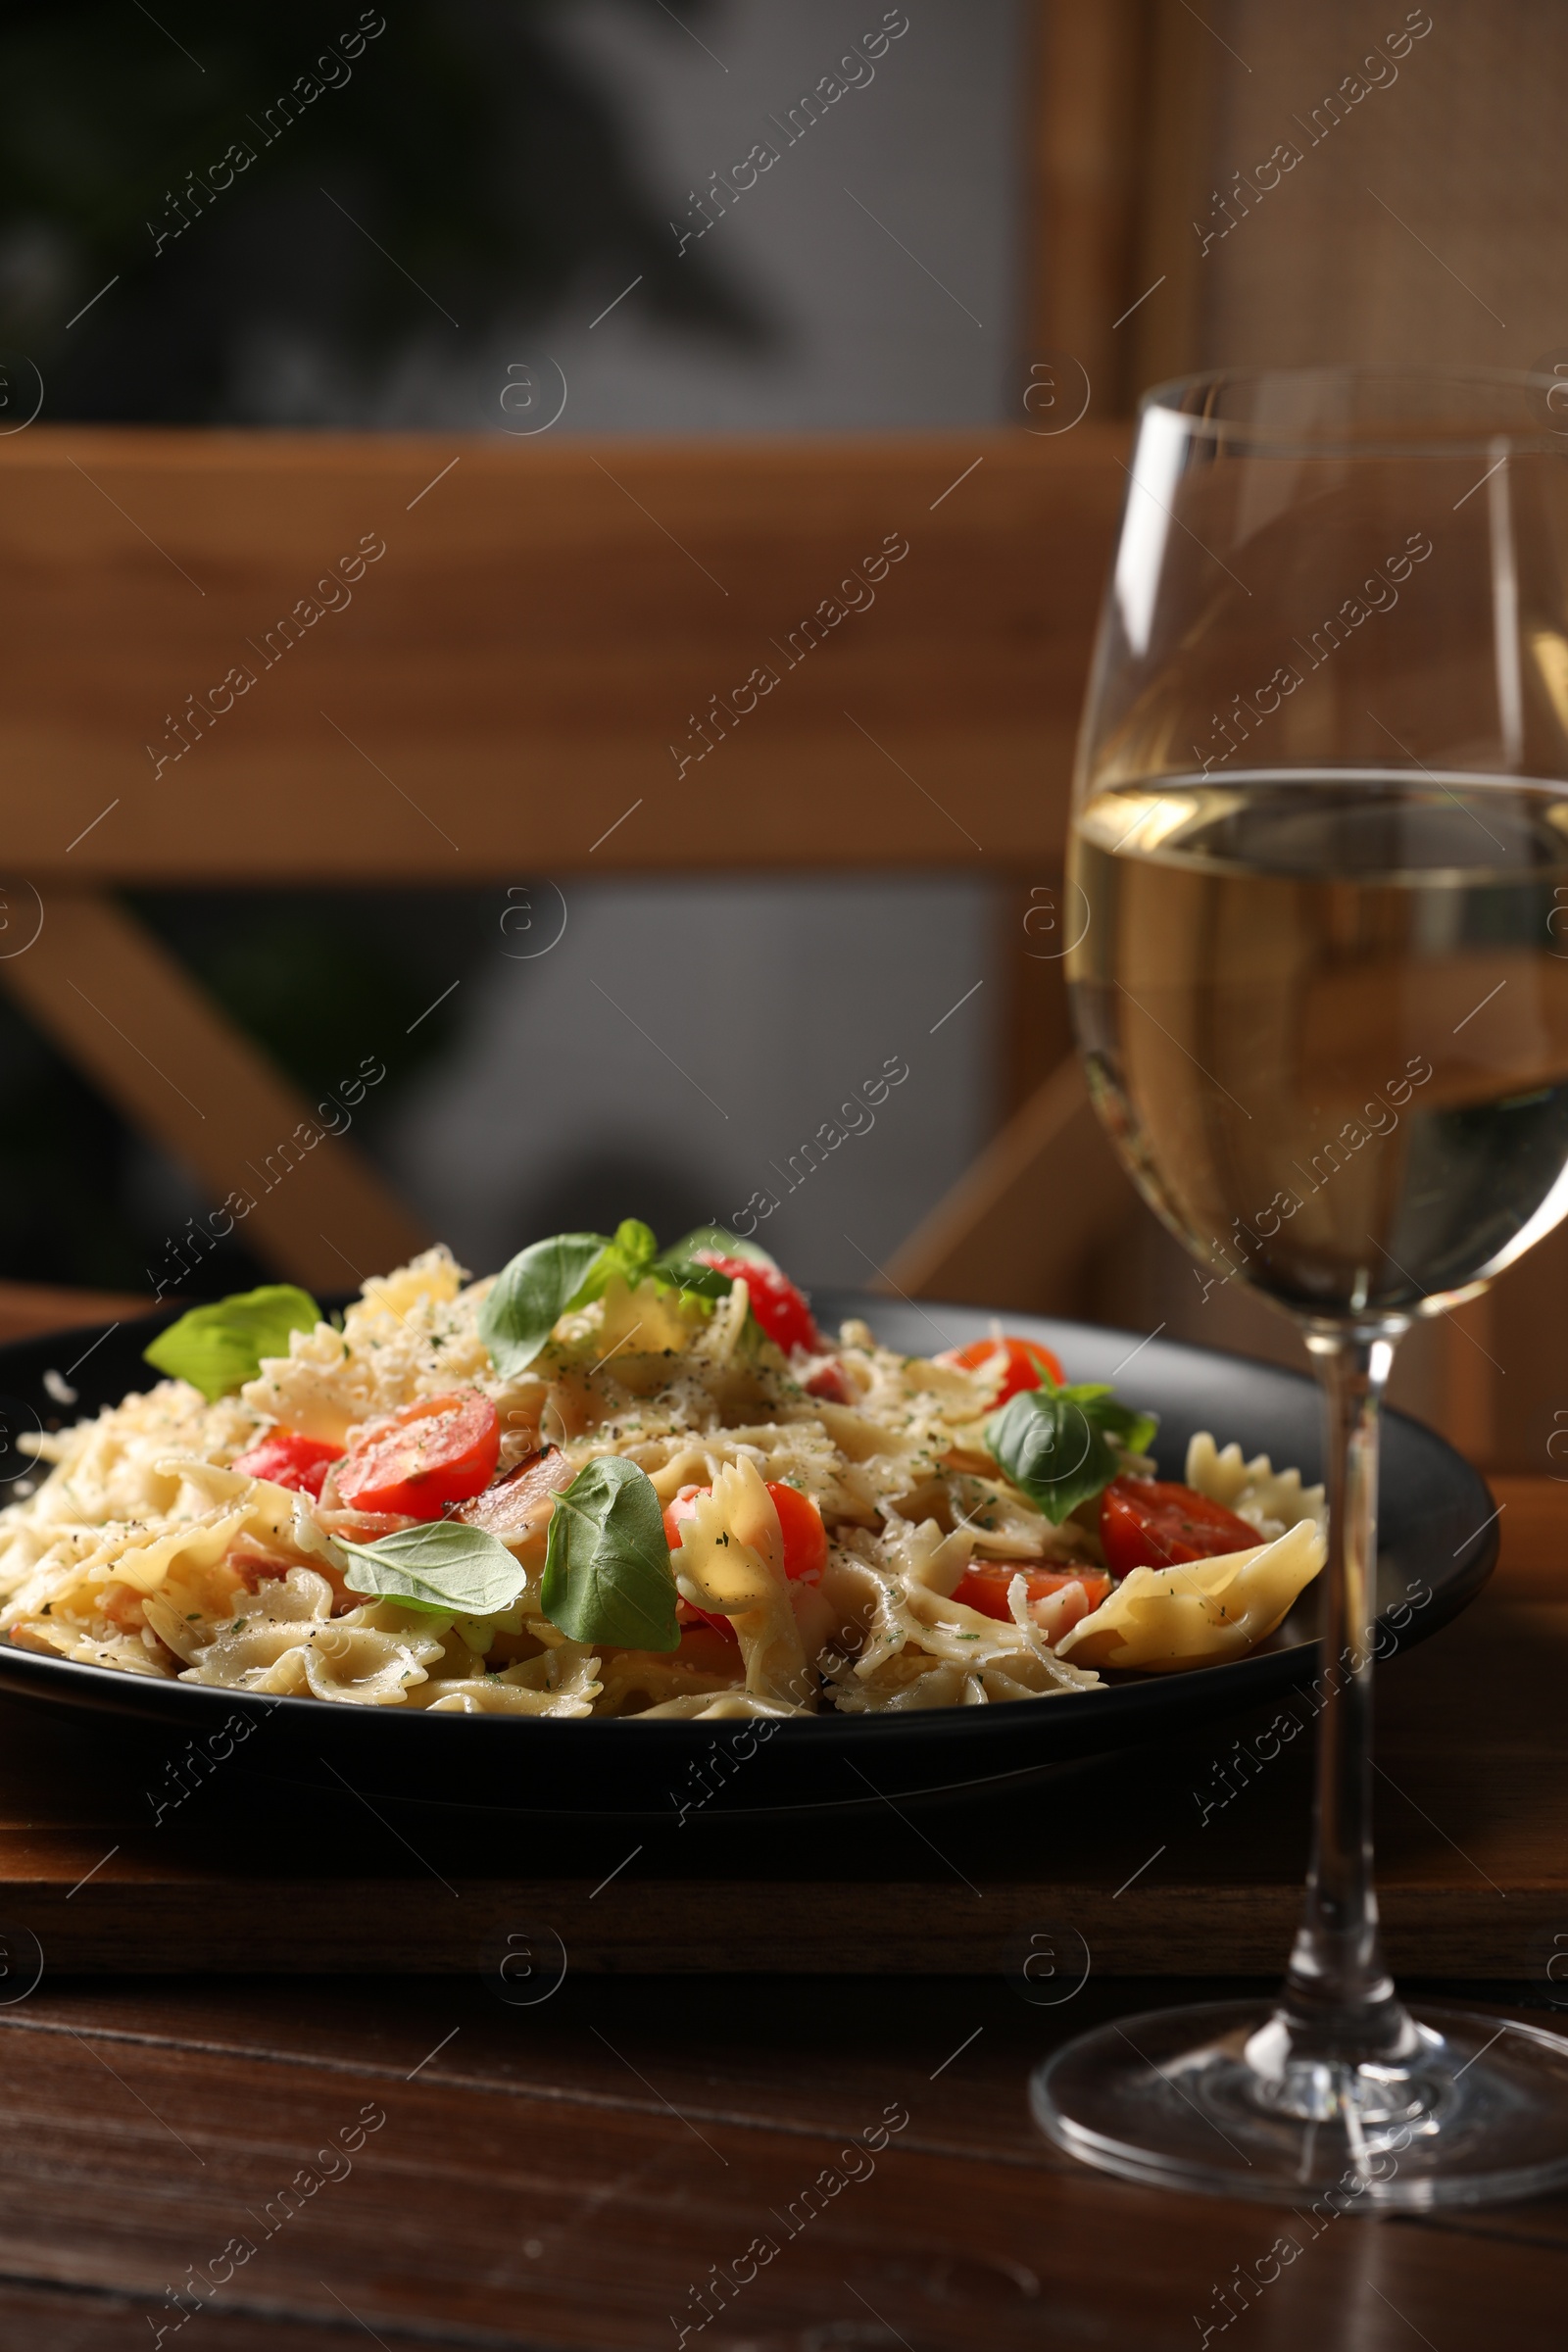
1185,2098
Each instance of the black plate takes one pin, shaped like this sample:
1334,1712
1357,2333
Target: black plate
1438,1541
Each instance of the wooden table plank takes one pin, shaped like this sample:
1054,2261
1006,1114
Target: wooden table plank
576,2174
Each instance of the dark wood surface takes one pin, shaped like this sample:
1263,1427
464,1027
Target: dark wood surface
567,2175
567,2153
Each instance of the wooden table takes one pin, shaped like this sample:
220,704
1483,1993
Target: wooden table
369,2155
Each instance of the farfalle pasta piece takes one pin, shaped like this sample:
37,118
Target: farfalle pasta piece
924,1555
921,1647
57,1637
644,1682
731,1561
1198,1612
562,1682
912,1684
285,1641
719,1706
1269,1500
191,1545
640,1322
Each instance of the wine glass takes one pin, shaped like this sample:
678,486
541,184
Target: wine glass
1320,826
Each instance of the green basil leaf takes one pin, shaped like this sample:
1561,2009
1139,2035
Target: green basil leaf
688,1274
1133,1431
725,1244
219,1348
531,1294
633,1255
454,1570
1051,1449
608,1576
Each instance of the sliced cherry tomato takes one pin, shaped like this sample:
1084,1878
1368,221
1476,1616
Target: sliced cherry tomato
288,1459
684,1506
984,1586
831,1384
805,1535
1026,1359
419,1460
1149,1522
800,1523
782,1310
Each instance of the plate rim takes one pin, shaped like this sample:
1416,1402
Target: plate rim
150,1699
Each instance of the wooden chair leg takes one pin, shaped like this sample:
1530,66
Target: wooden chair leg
1021,1227
133,1019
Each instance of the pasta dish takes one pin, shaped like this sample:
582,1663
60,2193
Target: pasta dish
611,1480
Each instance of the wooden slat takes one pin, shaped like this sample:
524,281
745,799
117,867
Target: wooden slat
27,1309
1188,65
102,988
1506,1364
1091,70
1019,1228
546,620
1472,1846
1038,1030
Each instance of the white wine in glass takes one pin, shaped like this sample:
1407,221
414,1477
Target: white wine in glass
1320,833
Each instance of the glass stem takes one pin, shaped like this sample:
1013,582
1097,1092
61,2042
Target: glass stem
1338,2001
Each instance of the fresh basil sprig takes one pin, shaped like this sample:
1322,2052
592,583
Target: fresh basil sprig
691,1276
444,1567
606,1575
1061,1445
681,1265
219,1348
557,1277
1133,1432
631,1254
531,1294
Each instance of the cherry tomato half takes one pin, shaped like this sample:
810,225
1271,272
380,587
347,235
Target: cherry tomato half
781,1310
805,1535
1150,1523
984,1586
417,1461
1026,1359
800,1523
288,1459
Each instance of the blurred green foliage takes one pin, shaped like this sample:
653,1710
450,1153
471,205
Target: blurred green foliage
464,139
